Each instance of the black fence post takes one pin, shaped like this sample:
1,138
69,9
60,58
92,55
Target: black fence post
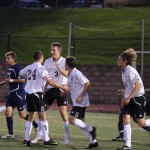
8,41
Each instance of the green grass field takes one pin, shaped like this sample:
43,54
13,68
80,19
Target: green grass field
106,130
54,23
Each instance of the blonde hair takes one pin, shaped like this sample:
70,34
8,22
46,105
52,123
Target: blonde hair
58,45
12,54
130,56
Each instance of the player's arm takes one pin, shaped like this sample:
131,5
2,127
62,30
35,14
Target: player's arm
16,80
17,77
8,80
63,71
137,86
53,83
85,89
2,82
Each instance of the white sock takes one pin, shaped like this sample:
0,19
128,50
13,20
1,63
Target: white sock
83,125
39,130
2,108
88,135
44,127
147,122
80,123
28,130
66,127
88,127
127,135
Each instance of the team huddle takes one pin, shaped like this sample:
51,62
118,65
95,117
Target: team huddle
35,87
53,80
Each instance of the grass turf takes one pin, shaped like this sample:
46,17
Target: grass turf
106,130
54,23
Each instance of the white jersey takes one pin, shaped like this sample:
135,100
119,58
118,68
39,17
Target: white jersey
129,77
53,71
76,81
36,76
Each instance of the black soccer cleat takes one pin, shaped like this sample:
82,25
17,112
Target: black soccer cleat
93,133
124,148
27,143
50,142
118,138
92,145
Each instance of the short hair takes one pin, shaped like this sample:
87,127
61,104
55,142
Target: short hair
12,54
71,61
37,55
130,56
57,44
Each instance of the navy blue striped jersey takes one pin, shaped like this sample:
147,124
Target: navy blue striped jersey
13,73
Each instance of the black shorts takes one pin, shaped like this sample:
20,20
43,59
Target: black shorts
54,93
35,102
136,107
78,112
148,107
16,99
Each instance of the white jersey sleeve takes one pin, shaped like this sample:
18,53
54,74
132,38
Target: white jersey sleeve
24,71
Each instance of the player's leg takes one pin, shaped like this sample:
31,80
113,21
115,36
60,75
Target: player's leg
40,108
28,129
140,112
45,129
120,128
21,107
64,116
127,133
77,118
9,116
44,125
48,101
9,121
62,104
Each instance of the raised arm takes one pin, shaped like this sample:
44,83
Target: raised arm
63,71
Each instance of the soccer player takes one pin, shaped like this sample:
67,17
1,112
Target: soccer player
78,87
16,97
56,68
134,101
37,76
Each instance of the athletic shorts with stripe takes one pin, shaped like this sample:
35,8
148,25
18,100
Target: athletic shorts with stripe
136,107
35,102
55,93
16,99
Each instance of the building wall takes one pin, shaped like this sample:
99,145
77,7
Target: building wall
105,82
4,88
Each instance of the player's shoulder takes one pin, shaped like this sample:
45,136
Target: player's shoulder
62,58
16,67
41,68
75,70
131,70
48,60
